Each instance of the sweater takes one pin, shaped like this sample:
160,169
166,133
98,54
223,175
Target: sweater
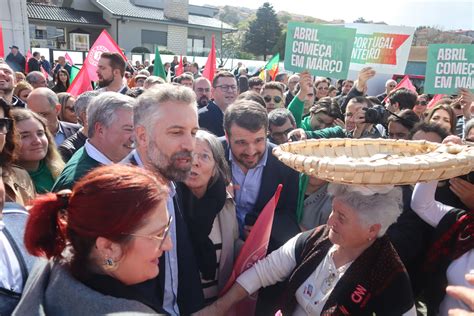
79,164
42,178
52,290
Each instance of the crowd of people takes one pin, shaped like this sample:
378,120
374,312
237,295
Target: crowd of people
137,197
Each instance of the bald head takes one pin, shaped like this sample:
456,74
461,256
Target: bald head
44,102
202,89
36,79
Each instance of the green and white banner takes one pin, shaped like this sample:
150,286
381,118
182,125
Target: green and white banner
321,49
449,67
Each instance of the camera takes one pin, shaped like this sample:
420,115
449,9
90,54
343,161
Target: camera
376,115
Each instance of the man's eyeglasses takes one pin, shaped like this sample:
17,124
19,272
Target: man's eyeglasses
5,125
227,88
202,90
160,237
281,134
268,98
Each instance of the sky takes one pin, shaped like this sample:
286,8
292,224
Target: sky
444,14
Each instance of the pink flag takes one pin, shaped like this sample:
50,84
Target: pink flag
404,83
2,48
45,73
104,43
210,68
254,249
68,59
81,83
180,68
435,99
28,56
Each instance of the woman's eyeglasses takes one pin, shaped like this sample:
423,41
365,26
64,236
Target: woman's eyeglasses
5,125
160,237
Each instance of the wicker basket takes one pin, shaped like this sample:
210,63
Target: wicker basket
376,161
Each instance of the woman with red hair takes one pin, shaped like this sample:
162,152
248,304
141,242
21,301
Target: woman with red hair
101,239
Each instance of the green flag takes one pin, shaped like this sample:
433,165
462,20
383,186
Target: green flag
158,69
74,72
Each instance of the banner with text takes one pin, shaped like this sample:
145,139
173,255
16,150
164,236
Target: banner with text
382,47
449,67
321,49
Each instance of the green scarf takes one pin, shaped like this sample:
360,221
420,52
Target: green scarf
303,184
42,178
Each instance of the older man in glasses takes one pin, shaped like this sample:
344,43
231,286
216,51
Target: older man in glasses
224,92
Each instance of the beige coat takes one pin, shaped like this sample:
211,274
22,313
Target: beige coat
18,186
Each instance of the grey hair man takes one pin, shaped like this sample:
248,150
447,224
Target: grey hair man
37,80
77,140
390,84
166,124
45,102
110,131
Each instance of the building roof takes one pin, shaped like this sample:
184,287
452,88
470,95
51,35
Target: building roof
127,9
64,15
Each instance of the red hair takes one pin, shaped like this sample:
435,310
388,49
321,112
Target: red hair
107,202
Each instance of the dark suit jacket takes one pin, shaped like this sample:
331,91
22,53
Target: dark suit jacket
69,129
33,65
190,295
211,118
275,172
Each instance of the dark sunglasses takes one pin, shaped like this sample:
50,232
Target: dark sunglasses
276,99
5,125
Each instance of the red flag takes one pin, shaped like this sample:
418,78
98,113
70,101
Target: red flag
404,83
81,83
180,69
254,249
2,49
210,68
45,73
435,99
104,43
28,56
68,59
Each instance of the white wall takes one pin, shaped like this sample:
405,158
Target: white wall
14,20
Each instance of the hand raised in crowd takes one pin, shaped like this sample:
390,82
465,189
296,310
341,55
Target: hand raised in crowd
464,294
453,139
306,85
364,75
466,98
297,134
464,190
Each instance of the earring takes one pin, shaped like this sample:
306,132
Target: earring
110,264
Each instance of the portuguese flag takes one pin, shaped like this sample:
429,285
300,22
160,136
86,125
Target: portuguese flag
158,69
271,67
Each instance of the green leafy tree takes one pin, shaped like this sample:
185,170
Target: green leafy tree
263,32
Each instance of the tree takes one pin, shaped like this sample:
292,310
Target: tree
263,32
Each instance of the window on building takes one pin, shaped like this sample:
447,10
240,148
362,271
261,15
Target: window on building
153,39
47,36
195,46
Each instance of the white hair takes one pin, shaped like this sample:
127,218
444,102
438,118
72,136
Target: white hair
376,208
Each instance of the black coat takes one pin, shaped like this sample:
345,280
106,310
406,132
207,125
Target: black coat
211,118
16,62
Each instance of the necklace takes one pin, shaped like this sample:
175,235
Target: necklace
333,276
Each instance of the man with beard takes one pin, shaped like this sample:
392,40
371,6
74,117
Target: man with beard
110,70
224,93
202,88
7,84
110,131
256,174
165,128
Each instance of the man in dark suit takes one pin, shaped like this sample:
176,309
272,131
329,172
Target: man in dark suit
166,123
34,62
224,92
256,173
46,103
